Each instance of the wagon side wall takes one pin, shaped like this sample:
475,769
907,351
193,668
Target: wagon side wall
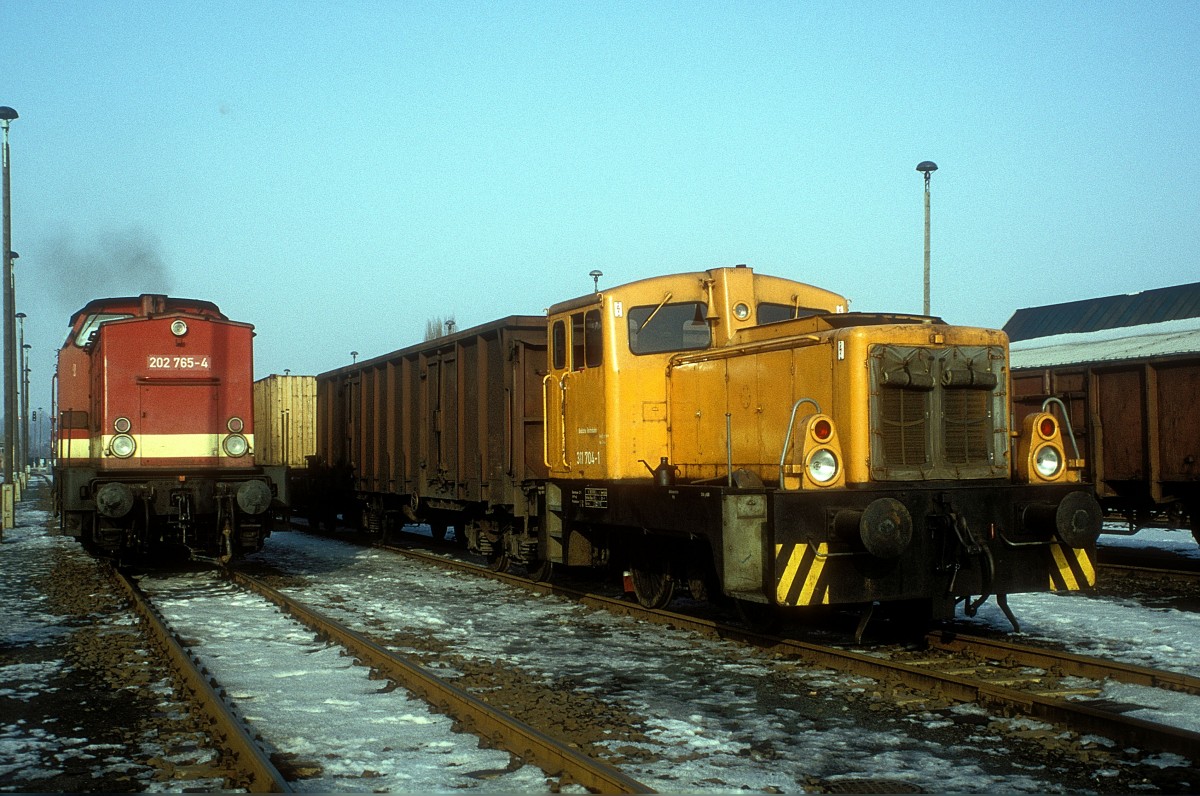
454,421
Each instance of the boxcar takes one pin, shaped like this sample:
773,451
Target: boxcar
285,424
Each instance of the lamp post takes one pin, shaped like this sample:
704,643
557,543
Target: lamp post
595,275
926,167
25,405
22,389
7,114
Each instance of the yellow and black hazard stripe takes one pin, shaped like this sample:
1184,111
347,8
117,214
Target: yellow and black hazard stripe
801,577
1072,568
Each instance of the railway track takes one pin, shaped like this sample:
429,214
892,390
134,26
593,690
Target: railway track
498,728
252,762
249,762
1005,677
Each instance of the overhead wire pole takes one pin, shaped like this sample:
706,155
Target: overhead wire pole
926,167
7,114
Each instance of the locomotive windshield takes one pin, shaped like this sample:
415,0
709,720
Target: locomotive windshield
774,313
94,322
669,327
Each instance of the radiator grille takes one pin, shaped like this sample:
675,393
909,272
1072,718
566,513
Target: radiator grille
938,413
904,426
968,427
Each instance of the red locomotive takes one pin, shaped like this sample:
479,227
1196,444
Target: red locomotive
155,435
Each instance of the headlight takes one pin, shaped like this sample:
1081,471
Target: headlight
235,445
1048,461
122,446
178,328
822,466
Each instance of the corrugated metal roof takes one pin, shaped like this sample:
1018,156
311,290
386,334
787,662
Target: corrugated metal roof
1110,312
1179,338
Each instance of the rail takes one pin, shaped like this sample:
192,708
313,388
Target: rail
261,775
520,739
1076,715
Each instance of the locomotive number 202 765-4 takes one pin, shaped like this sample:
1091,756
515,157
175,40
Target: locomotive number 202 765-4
178,363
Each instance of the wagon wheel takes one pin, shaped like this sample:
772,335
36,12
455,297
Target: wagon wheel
540,570
500,562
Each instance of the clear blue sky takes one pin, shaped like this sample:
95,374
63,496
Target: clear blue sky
339,173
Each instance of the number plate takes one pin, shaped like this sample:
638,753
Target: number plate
172,362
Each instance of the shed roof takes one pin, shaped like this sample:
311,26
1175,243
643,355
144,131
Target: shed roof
1109,312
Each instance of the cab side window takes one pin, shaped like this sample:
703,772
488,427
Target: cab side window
558,345
587,342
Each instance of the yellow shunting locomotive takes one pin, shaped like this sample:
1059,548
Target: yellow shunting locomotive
724,430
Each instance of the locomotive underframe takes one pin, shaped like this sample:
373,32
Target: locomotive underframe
806,548
198,510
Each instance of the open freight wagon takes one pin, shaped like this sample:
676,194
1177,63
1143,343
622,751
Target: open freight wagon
446,429
1136,420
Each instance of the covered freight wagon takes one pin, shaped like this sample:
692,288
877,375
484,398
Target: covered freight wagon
285,421
442,430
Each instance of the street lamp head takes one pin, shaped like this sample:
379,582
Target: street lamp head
926,166
21,316
7,114
12,255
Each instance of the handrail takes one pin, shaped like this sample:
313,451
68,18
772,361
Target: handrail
562,425
787,441
1066,420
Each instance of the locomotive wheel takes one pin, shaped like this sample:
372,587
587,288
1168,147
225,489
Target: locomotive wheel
653,586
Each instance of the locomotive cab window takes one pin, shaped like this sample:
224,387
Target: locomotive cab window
93,323
582,347
655,329
558,345
774,313
586,340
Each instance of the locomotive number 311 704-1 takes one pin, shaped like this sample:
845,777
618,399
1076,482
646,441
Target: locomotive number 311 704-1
177,363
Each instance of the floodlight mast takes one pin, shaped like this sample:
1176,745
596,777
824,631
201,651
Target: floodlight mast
926,167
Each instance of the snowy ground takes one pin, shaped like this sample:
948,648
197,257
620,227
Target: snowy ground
305,697
716,717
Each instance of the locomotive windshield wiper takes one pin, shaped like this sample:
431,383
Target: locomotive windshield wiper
650,317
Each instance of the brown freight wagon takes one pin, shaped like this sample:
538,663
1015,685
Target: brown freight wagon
1131,397
446,429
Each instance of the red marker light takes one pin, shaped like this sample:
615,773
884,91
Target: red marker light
1047,427
822,430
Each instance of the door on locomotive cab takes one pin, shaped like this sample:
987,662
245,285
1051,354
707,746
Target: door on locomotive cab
575,422
179,421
